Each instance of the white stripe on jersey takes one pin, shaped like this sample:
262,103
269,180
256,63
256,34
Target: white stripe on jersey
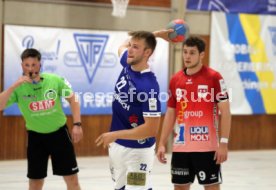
152,114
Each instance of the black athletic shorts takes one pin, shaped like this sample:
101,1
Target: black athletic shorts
57,146
186,165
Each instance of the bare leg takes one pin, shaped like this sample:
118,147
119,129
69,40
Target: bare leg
72,182
36,184
212,187
182,187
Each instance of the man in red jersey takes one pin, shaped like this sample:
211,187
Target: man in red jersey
198,94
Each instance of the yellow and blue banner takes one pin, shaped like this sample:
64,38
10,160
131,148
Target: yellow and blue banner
243,50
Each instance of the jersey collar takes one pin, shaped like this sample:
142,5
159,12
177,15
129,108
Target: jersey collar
145,70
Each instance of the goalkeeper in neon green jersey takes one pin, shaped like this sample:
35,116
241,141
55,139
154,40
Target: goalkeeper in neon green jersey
38,96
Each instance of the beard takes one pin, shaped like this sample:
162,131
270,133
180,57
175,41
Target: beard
134,61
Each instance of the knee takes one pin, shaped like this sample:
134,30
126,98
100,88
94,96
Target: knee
181,187
72,180
36,184
212,187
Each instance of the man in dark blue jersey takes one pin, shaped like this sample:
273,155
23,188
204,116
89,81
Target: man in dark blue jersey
136,114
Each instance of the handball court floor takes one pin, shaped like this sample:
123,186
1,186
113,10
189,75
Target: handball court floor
244,170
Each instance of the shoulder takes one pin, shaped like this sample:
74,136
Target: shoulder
207,74
52,76
151,77
149,81
211,72
179,74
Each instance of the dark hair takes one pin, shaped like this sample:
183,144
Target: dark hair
195,41
31,53
148,36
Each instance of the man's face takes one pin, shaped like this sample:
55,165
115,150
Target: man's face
191,56
31,67
137,51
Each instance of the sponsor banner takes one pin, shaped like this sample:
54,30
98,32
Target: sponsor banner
234,6
86,58
243,51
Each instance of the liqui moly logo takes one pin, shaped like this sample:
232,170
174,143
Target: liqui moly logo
41,105
199,133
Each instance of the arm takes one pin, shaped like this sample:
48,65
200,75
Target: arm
167,127
225,125
77,132
146,130
164,34
5,95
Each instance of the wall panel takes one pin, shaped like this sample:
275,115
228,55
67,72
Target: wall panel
13,136
247,133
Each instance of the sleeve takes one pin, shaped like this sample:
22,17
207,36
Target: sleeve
123,58
151,105
65,88
13,99
221,93
172,100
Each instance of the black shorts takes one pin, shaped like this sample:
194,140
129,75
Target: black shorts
186,165
58,146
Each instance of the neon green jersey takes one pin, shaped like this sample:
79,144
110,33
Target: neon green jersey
40,104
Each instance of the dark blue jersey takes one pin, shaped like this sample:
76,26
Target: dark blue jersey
136,96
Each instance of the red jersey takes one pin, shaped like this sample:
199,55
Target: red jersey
195,99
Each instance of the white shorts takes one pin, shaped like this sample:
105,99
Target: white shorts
131,167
